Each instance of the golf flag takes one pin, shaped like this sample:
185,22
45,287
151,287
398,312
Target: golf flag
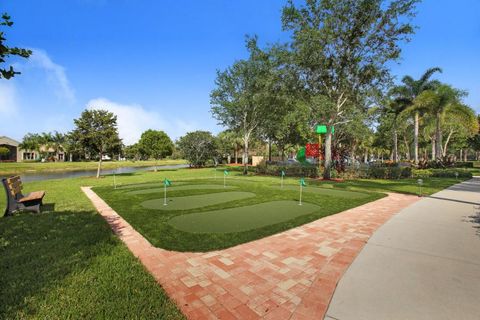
225,172
167,182
302,182
283,173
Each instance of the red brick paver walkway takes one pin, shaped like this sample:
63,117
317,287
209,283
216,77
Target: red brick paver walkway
291,275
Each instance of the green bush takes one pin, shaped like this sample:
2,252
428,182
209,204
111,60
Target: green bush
389,172
294,170
468,164
441,173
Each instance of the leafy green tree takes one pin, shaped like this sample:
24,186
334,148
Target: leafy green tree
133,152
409,91
442,99
4,152
155,144
97,133
459,123
342,51
198,147
240,100
31,142
8,72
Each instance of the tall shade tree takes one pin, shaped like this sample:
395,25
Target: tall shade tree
7,72
198,147
411,89
97,133
240,99
438,102
342,50
155,144
459,123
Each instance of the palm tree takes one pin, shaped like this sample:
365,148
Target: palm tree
438,102
409,91
395,108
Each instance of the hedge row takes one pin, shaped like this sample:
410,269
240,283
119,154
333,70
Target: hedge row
441,173
290,171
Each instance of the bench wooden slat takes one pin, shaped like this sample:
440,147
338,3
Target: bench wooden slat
36,195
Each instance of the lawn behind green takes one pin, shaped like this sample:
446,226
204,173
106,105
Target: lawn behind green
7,168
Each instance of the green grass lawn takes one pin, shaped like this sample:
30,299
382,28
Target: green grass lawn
7,168
66,262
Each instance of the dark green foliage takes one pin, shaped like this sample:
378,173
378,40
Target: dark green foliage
155,144
198,147
6,51
295,170
442,173
388,172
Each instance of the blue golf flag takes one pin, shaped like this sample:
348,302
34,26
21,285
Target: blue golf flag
283,173
167,182
302,182
225,172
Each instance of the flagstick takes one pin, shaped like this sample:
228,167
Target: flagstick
164,194
224,180
301,188
281,184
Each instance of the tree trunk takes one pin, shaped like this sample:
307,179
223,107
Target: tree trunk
365,156
407,148
235,155
445,147
71,157
245,156
155,168
395,145
461,154
465,155
433,148
438,137
269,150
415,137
99,166
328,153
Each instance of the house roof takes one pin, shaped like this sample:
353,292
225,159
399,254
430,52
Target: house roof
8,141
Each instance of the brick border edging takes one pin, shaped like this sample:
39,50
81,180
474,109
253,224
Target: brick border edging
289,275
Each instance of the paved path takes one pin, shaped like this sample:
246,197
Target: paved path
291,275
422,264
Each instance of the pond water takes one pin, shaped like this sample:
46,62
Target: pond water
38,176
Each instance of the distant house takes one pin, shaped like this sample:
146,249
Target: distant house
12,145
18,155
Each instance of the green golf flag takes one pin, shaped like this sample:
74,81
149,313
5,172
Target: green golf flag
302,182
283,173
167,182
225,172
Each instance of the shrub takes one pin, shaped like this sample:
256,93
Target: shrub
294,170
441,173
468,164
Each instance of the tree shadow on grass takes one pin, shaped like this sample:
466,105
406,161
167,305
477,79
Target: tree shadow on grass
39,250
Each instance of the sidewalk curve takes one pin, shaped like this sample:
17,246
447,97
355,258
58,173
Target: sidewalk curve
424,263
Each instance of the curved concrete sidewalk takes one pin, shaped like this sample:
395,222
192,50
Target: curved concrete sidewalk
424,263
290,275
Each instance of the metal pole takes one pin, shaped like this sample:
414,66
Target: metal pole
224,180
281,183
164,194
301,188
319,153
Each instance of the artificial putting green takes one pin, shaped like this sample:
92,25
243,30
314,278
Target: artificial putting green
182,187
327,192
143,185
242,218
195,201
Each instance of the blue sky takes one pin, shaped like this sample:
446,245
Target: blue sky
153,63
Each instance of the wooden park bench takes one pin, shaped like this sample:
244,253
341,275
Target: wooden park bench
17,201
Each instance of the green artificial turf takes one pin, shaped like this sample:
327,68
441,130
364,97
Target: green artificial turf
242,218
181,187
195,201
141,185
147,214
327,192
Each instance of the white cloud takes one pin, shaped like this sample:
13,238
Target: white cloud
133,119
56,74
8,99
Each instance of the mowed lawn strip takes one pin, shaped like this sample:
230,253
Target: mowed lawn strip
242,218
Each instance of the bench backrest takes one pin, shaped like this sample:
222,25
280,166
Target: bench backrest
13,189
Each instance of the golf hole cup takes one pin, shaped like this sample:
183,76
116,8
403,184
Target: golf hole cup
420,182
